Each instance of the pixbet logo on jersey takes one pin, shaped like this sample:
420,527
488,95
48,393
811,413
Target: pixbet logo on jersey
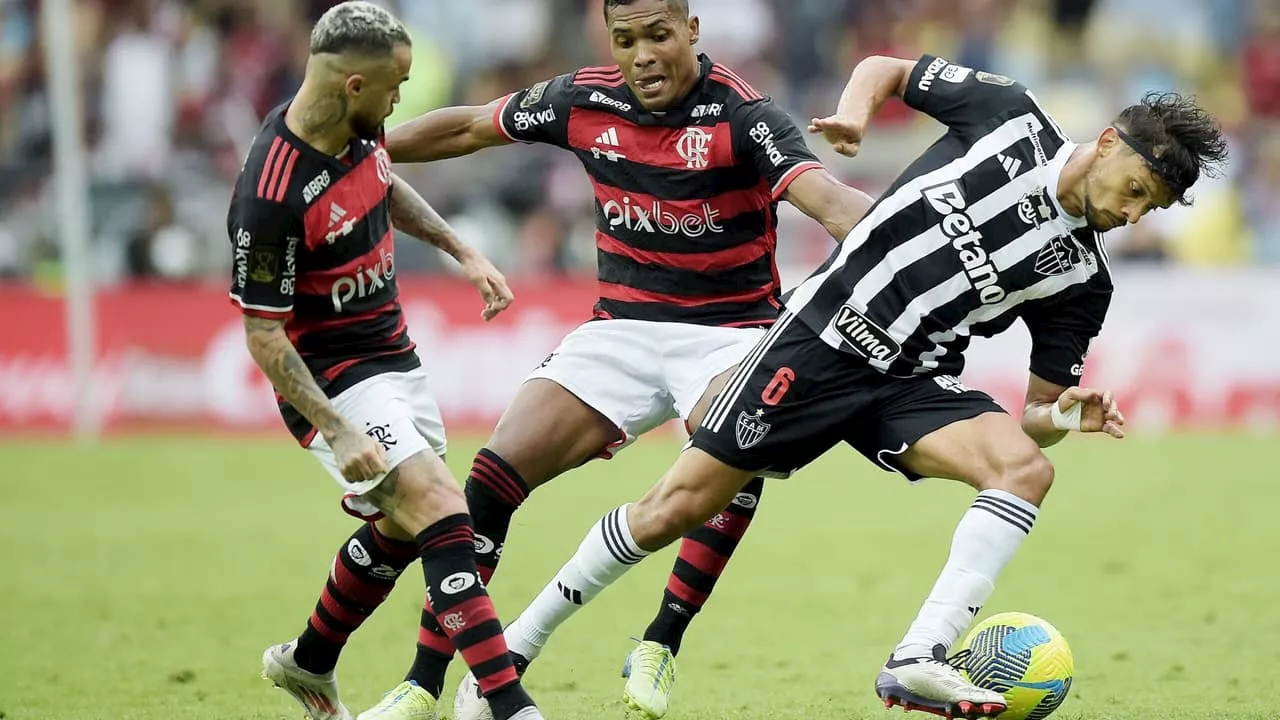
965,238
365,282
657,219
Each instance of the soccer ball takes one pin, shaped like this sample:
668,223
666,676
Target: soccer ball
1023,658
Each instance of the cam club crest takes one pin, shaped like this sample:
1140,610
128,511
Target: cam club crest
751,429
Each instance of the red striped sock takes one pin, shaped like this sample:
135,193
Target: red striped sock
466,614
704,553
361,577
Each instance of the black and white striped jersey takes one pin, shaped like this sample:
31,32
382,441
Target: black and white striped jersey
968,239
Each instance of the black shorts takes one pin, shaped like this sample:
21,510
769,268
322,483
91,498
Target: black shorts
794,397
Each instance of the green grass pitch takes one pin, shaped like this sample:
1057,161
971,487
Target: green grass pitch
141,580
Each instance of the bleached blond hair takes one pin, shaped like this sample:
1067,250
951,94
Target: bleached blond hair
358,26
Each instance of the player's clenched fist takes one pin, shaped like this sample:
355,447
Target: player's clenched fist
1089,410
844,134
359,457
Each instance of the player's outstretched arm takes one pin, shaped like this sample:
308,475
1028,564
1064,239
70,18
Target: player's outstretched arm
445,133
411,213
825,199
1053,410
873,81
359,457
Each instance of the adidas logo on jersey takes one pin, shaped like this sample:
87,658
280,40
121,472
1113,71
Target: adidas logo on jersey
608,138
1010,165
336,215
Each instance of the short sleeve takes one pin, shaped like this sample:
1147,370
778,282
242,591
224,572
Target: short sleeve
264,239
537,114
1063,327
765,136
963,98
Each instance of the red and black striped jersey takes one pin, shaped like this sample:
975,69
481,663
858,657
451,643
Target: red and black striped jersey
313,244
685,200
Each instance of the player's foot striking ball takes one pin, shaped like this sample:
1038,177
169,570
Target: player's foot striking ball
1023,658
999,221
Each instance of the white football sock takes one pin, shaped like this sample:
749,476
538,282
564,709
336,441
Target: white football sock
606,553
986,539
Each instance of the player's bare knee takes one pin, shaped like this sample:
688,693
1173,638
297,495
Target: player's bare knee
418,493
1029,477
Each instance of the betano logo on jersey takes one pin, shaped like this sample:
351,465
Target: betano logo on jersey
657,219
966,239
365,282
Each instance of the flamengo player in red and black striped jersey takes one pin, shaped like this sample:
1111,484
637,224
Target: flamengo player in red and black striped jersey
688,163
310,225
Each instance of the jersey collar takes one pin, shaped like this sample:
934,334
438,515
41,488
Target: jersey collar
1054,170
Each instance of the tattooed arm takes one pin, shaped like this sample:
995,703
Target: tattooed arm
357,455
411,213
279,360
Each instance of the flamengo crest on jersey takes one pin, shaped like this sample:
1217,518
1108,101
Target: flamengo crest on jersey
686,216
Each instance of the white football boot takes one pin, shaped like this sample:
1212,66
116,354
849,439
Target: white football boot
468,703
934,685
317,694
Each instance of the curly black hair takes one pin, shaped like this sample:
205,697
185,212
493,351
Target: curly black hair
1184,140
680,5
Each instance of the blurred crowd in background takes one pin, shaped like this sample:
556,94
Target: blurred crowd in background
173,92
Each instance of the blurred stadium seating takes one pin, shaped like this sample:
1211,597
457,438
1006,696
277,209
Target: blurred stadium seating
174,90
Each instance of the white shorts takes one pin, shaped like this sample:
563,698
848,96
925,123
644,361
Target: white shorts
398,410
641,374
